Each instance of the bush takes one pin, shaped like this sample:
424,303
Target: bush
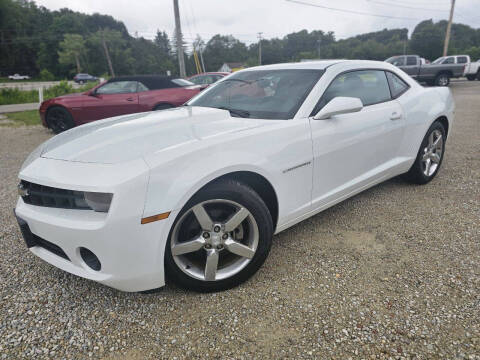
46,75
15,96
61,89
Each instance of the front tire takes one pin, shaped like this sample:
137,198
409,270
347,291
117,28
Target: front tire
59,119
442,80
221,238
429,157
471,77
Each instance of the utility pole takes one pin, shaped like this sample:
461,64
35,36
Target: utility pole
107,54
260,48
449,28
178,35
319,42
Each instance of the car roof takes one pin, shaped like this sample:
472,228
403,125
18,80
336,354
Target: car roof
323,65
312,65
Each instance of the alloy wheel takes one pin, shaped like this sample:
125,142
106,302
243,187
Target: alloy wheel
214,240
432,153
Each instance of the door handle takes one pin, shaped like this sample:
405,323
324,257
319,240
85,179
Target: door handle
395,116
130,99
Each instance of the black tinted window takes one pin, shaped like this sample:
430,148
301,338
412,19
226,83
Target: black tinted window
411,60
370,86
462,60
397,85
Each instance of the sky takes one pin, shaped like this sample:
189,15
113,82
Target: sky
274,18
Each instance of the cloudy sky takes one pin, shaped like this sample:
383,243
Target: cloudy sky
275,18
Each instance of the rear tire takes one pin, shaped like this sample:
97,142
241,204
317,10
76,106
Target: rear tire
239,248
471,77
59,119
442,80
429,156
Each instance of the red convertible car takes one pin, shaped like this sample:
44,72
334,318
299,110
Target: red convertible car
118,96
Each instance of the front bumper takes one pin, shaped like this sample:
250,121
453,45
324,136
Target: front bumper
131,254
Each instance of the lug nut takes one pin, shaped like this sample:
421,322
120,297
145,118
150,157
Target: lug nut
225,236
220,247
216,228
208,246
206,235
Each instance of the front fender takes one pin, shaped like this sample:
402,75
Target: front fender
171,187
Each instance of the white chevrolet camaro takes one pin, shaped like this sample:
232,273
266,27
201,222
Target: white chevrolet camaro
195,194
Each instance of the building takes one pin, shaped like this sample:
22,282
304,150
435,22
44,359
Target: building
231,67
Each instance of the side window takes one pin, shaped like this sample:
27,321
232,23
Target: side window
370,86
462,60
141,87
397,85
449,60
411,60
118,87
400,61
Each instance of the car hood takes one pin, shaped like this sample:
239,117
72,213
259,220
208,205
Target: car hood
130,137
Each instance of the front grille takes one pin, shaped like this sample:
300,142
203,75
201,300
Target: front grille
33,240
57,250
40,195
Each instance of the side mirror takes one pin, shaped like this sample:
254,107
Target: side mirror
93,92
339,105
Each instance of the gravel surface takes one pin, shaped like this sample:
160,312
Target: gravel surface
391,273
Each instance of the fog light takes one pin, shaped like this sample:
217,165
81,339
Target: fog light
90,259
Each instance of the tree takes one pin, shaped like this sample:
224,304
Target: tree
71,49
224,48
163,43
427,40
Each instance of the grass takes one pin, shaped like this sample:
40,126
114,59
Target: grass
10,96
21,118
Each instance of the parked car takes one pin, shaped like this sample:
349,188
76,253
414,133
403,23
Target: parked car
19,77
472,69
83,78
437,73
118,96
207,78
196,193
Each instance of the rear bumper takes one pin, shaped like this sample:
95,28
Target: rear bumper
130,254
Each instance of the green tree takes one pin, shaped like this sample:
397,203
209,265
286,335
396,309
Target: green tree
71,49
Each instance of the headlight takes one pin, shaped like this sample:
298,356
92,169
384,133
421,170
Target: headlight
98,201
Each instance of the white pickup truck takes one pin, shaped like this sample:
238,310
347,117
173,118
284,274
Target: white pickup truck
472,69
19,77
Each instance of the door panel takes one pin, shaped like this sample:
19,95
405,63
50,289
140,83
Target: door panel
352,150
108,105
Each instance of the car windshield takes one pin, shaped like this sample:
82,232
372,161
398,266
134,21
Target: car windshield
438,61
182,82
261,94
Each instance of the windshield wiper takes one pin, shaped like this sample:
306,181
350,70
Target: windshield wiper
240,113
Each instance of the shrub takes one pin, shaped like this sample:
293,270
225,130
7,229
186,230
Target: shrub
46,75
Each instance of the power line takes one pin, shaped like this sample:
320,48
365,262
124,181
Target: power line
351,11
405,6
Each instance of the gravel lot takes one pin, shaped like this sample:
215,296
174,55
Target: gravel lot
391,273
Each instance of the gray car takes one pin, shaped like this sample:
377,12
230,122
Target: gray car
438,73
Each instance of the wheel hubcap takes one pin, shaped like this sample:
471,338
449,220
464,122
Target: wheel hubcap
432,153
443,80
214,240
